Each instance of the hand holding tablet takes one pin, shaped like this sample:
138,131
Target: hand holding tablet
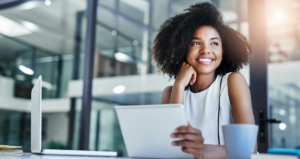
193,143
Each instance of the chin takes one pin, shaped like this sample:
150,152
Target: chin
205,71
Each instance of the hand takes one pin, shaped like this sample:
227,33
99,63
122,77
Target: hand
186,75
193,143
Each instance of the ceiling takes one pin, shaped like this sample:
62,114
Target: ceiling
54,25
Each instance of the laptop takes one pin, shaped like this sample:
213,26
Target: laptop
36,129
146,130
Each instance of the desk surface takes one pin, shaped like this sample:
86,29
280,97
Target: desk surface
35,156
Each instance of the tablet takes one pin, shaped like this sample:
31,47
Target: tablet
146,130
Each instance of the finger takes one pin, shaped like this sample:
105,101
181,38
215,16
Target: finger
190,144
189,124
191,80
191,151
190,137
187,129
195,75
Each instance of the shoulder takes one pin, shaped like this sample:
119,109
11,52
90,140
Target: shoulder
232,78
236,83
168,89
166,95
235,77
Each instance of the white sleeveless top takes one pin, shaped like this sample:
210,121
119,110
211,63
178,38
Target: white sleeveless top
201,110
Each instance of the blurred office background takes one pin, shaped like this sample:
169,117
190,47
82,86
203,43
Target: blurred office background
41,37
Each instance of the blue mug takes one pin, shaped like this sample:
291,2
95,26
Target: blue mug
240,140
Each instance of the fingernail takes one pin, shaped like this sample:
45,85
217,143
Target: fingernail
176,130
172,135
173,143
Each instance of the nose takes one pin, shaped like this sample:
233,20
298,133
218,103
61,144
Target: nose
206,49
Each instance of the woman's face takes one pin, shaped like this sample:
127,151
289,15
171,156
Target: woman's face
205,50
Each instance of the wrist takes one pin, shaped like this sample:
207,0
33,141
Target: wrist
202,156
179,85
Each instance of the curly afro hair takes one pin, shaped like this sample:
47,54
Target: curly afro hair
171,43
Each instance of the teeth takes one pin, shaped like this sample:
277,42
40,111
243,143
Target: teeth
205,60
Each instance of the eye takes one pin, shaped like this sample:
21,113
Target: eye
195,43
215,43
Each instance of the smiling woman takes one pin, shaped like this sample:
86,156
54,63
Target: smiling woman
205,38
203,55
172,41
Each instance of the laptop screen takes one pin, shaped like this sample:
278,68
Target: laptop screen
36,116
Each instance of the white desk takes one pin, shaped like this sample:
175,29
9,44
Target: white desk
35,156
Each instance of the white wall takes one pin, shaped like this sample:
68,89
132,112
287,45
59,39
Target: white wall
133,84
24,105
7,86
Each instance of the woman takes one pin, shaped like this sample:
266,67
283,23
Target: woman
204,55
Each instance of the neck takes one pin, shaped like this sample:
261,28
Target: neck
203,81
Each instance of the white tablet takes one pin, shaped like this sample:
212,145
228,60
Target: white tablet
146,130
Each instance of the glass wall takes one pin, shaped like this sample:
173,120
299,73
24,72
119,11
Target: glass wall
284,61
43,31
37,38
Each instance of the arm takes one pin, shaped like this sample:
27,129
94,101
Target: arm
172,94
175,94
214,151
240,98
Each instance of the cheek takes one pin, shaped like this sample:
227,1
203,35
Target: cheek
219,54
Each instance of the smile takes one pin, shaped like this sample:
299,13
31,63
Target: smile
205,60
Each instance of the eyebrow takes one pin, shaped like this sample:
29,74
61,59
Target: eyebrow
196,38
215,38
